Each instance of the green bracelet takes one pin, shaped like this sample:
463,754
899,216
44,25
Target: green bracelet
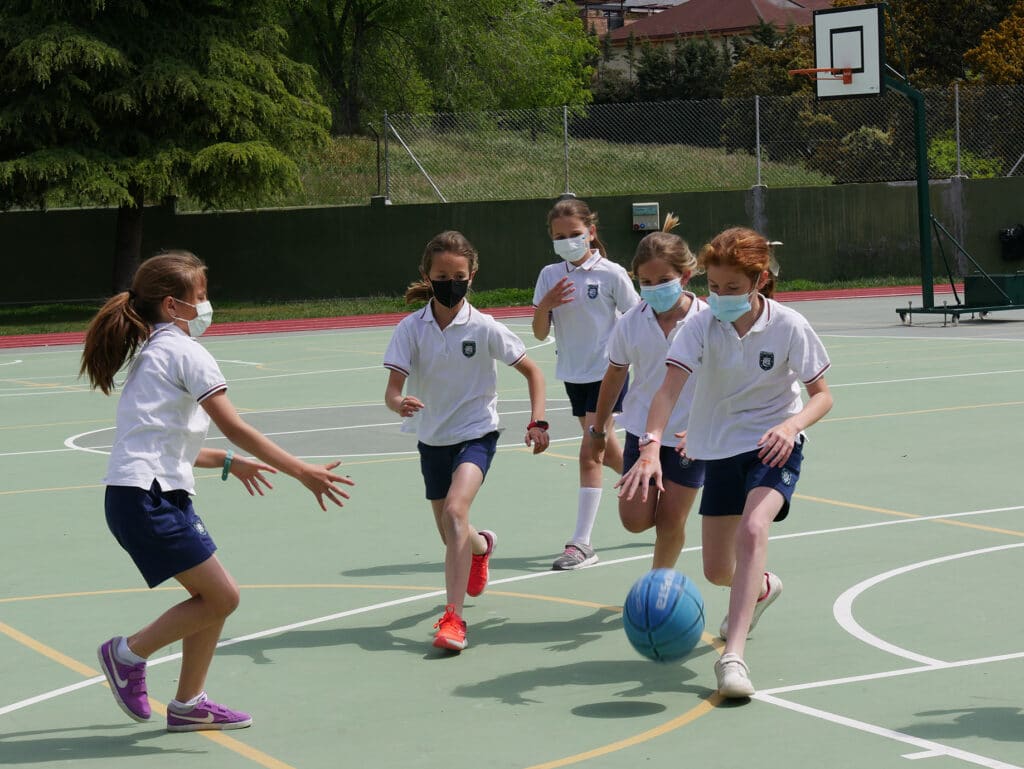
227,465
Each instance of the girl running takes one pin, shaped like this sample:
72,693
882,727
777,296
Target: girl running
663,265
448,351
581,298
172,391
748,355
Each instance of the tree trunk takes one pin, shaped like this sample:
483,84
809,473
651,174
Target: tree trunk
128,242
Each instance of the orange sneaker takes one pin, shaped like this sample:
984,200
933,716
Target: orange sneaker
451,631
478,572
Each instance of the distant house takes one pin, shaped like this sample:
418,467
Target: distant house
716,18
601,16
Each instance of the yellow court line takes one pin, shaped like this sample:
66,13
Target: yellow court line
271,763
246,751
923,411
56,424
884,511
706,706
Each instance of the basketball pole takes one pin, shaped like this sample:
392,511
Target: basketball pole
924,209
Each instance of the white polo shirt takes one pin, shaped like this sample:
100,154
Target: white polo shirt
638,341
453,372
745,386
160,423
604,292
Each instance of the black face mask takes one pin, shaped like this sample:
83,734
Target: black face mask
449,292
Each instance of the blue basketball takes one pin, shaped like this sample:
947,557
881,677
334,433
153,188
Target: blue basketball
663,615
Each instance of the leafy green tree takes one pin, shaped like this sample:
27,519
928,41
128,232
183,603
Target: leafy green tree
999,56
930,37
442,55
692,68
128,103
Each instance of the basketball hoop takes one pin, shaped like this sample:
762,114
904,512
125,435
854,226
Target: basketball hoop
827,73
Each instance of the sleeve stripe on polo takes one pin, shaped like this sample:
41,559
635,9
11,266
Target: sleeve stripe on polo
396,368
818,376
211,391
678,364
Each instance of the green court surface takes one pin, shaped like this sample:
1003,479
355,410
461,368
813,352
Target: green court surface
897,642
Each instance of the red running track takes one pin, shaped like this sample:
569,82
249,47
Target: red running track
392,318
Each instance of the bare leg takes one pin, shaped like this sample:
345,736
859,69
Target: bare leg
670,523
751,543
460,538
197,622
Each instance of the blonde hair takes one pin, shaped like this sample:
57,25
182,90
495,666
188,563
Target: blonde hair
577,209
743,249
451,242
670,248
125,321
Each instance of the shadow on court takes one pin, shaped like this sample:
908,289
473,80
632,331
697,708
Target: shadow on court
525,563
559,635
993,723
644,678
34,748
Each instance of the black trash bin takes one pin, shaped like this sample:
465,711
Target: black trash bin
1012,242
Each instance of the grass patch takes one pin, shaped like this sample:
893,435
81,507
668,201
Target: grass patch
75,316
492,164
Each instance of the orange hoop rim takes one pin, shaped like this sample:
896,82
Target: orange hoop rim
837,73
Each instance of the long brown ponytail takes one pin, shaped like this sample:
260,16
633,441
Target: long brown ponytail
125,321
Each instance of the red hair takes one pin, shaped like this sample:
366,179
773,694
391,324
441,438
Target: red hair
743,249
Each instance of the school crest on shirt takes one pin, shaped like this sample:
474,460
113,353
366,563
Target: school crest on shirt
767,360
469,349
592,290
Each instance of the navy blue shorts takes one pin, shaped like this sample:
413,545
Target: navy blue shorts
583,397
438,463
681,470
728,481
159,530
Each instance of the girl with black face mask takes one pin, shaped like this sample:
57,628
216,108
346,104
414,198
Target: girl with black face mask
448,352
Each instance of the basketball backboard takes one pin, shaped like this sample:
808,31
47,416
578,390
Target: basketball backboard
850,39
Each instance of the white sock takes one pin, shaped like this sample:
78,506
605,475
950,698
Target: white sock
126,655
586,516
183,706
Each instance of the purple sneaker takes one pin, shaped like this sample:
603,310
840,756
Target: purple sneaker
127,682
206,715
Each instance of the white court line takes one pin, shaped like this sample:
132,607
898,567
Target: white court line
11,362
830,682
891,734
928,378
507,580
842,609
71,443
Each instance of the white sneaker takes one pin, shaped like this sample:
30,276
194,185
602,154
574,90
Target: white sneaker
774,591
733,677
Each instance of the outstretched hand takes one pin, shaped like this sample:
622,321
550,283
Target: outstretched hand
639,478
323,483
250,473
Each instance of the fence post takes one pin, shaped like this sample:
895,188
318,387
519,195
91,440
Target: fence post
757,136
956,114
565,143
387,157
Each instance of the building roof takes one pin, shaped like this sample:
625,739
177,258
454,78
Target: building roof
720,17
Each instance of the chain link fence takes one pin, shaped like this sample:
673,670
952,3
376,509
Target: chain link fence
674,146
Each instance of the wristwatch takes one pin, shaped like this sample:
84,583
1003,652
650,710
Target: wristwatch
538,423
595,433
647,438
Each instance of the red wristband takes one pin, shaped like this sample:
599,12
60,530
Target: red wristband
538,423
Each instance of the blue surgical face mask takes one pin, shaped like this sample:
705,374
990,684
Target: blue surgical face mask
573,249
664,296
729,307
